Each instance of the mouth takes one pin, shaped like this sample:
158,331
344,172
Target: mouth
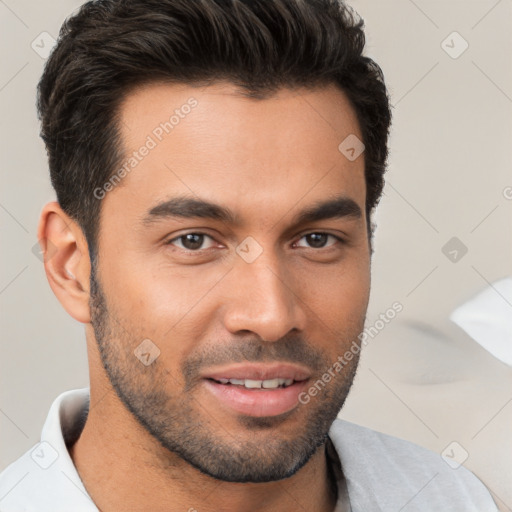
257,390
279,382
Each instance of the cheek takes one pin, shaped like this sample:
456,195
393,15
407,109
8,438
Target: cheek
339,290
167,305
336,303
154,291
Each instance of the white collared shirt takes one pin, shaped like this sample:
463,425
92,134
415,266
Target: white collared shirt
378,473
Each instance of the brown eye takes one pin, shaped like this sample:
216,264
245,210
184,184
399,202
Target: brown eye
190,241
318,240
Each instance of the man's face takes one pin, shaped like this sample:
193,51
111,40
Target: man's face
259,298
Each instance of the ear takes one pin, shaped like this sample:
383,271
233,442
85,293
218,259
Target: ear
66,260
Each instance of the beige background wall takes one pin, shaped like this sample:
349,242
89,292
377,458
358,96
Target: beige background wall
422,378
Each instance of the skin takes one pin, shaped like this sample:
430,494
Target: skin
265,159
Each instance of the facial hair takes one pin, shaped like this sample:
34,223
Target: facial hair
175,419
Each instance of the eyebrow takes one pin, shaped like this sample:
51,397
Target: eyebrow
189,207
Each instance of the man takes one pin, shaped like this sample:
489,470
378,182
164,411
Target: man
216,165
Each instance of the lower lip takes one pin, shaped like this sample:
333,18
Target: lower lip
257,402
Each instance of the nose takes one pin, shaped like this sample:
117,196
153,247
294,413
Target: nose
263,299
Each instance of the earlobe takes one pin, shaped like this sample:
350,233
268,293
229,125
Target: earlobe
66,260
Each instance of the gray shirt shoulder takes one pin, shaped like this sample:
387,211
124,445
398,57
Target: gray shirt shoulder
387,474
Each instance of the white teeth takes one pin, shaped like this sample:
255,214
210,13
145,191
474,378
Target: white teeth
253,383
270,383
258,384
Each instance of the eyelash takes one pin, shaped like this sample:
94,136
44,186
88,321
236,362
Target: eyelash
169,242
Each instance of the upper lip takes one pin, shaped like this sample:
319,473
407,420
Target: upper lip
255,371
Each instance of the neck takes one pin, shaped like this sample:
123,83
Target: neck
123,467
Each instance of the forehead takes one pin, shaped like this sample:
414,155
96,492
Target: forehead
157,109
215,144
